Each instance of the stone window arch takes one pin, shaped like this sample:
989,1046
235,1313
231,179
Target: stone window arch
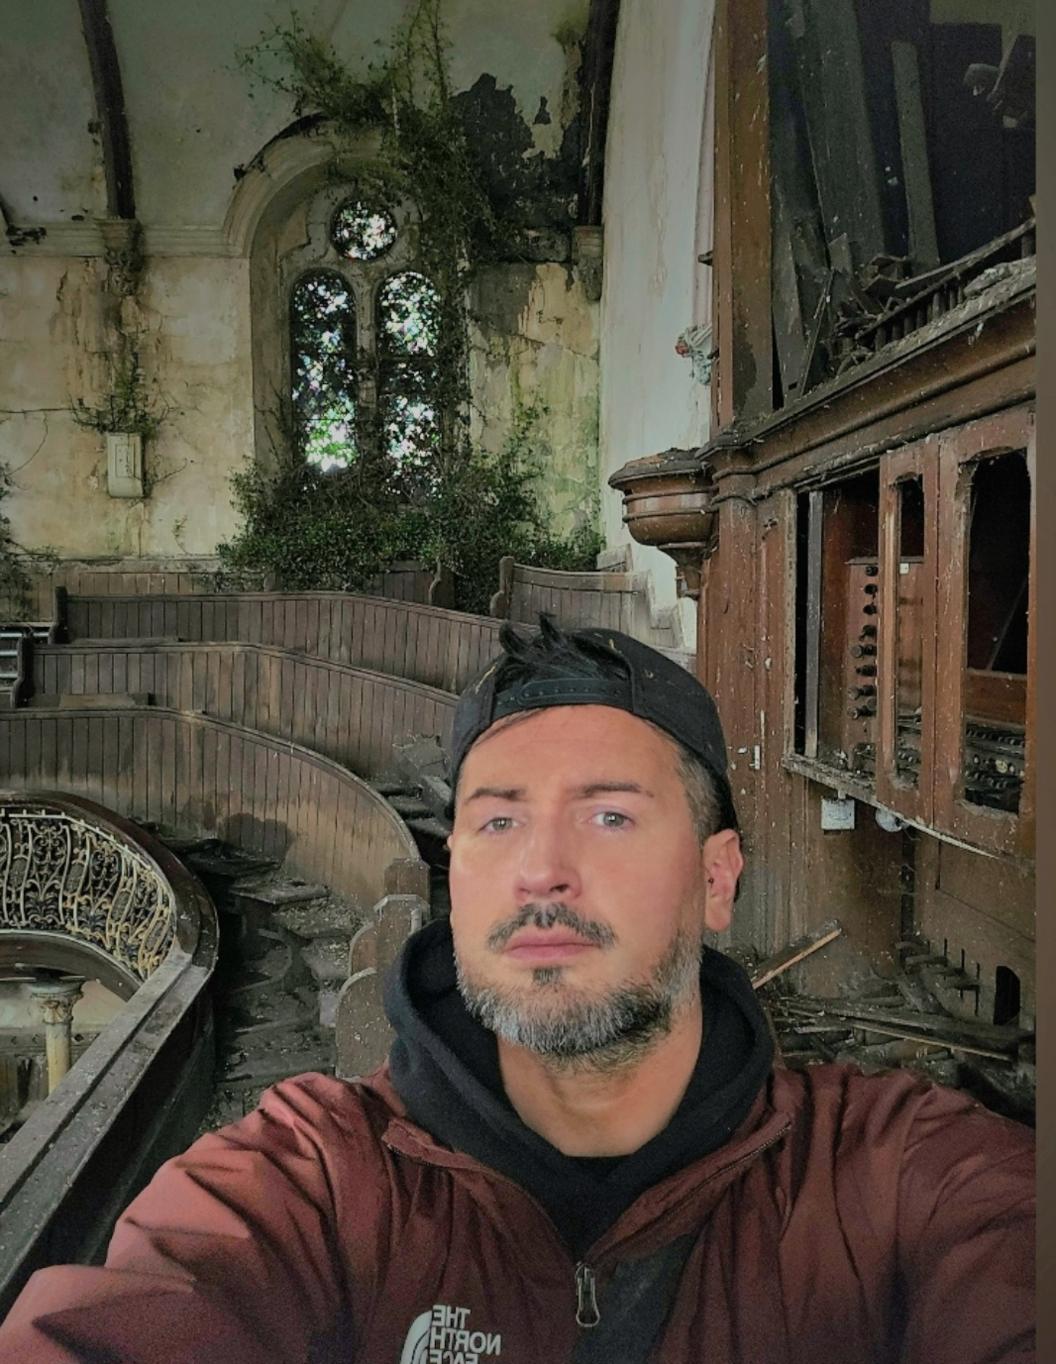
362,334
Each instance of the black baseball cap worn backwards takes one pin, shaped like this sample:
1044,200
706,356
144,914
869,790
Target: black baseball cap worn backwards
653,687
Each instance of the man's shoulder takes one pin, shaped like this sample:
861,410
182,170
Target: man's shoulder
320,1111
838,1105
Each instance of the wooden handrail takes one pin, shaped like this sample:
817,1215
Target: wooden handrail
207,776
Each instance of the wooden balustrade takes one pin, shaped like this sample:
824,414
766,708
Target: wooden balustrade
427,644
203,775
344,713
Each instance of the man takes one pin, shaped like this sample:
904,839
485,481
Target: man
578,1150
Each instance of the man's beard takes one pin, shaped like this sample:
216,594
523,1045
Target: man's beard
573,1028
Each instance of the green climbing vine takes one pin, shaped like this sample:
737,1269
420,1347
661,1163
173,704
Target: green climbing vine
14,581
334,529
128,403
16,562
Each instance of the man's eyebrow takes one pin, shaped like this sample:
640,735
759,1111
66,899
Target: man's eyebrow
587,792
496,793
601,788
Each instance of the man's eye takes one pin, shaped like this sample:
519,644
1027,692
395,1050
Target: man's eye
613,819
499,824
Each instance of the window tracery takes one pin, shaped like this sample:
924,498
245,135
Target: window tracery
364,332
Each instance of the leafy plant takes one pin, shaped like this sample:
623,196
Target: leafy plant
335,530
15,581
129,405
454,504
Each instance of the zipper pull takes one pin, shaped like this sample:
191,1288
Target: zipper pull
587,1313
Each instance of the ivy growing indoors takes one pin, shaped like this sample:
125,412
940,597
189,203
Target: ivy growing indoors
347,496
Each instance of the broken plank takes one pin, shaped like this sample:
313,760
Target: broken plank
916,174
832,85
795,952
936,1040
974,1029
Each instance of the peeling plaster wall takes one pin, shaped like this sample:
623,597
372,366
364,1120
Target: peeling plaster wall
195,345
51,168
191,123
657,221
535,341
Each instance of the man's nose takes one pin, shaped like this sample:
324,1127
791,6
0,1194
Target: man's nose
547,865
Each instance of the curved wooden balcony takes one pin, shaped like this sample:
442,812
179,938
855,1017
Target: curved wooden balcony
203,775
345,713
84,891
427,644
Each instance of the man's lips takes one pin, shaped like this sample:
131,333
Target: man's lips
559,945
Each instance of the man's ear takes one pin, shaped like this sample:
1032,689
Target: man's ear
722,864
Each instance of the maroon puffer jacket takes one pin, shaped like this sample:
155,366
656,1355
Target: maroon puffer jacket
857,1219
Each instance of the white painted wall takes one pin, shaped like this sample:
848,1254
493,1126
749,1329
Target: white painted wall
51,169
534,342
657,220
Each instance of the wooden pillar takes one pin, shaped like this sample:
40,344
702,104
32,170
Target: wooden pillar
742,383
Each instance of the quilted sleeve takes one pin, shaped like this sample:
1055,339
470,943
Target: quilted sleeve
966,1235
228,1255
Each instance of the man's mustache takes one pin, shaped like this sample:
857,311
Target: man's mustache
546,916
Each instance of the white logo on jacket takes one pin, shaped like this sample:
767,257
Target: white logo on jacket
443,1336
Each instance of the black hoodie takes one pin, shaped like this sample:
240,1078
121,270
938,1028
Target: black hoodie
445,1068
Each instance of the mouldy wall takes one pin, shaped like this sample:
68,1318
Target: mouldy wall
535,341
193,128
657,220
195,346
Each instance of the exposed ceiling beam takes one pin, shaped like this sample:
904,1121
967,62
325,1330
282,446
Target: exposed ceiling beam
595,86
110,106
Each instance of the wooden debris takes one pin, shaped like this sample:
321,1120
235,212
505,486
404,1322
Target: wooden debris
968,1036
795,952
923,243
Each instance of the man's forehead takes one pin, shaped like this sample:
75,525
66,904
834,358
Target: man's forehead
625,728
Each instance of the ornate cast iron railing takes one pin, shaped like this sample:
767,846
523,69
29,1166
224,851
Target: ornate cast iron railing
60,874
79,882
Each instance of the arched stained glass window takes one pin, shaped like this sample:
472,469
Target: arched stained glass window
408,324
323,354
364,340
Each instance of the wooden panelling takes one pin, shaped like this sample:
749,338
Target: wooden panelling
960,452
280,800
980,911
577,599
444,649
116,578
410,582
741,384
601,600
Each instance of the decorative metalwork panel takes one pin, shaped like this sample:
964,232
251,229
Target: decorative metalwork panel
59,874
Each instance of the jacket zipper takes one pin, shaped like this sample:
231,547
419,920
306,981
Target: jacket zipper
587,1314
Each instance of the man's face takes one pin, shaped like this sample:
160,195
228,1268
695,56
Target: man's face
579,888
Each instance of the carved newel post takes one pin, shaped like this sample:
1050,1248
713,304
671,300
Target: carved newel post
56,997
